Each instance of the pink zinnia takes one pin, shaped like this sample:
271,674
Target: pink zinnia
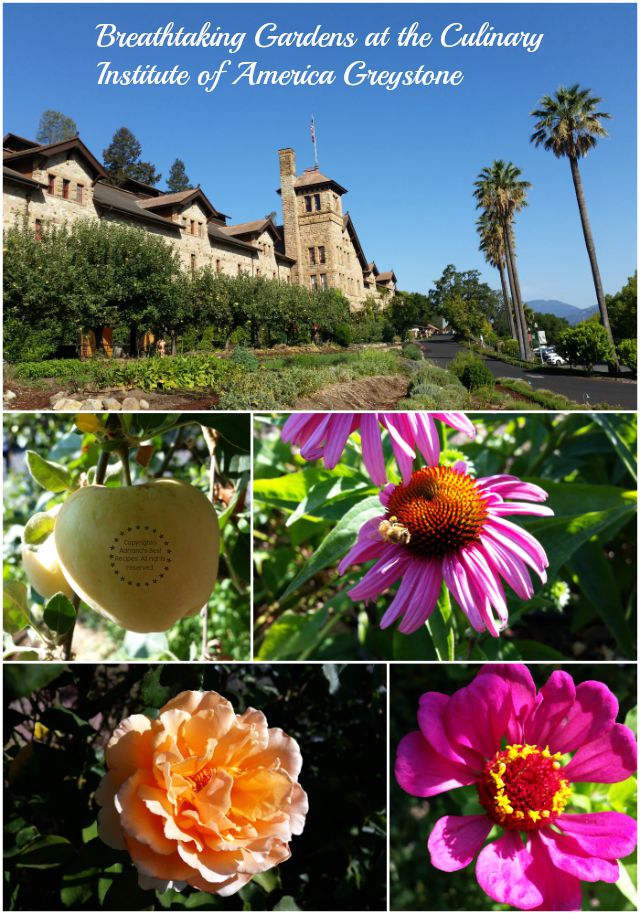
326,434
445,525
512,744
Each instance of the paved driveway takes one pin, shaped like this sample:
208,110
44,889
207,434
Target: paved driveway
621,394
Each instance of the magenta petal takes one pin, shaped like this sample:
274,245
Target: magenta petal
555,701
605,834
478,715
432,714
422,772
522,690
568,856
502,872
424,597
561,891
606,760
337,436
455,840
372,454
593,712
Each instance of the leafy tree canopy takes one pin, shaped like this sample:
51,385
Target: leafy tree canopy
178,179
623,310
586,344
55,127
122,160
467,303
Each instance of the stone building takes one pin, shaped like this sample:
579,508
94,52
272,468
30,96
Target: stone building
316,245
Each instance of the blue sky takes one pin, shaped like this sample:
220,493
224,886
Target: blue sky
408,157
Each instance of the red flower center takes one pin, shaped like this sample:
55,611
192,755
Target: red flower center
522,789
442,510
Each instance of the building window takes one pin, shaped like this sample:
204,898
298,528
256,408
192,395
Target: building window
322,254
288,280
201,229
52,185
65,188
316,201
79,193
314,282
218,267
38,230
239,269
323,280
193,263
312,256
307,204
193,226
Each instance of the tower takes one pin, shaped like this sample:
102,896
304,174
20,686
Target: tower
287,192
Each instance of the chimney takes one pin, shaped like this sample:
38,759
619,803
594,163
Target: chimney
287,163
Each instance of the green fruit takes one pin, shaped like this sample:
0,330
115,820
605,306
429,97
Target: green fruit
143,556
42,566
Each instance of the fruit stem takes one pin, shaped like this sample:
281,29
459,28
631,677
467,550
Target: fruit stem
124,457
101,468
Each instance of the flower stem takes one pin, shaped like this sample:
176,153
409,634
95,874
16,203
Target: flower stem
440,626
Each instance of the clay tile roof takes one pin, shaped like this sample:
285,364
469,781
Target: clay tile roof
385,277
316,178
167,199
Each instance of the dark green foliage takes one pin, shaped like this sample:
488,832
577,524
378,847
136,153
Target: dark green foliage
586,344
54,859
413,352
471,370
623,310
245,358
122,160
55,127
178,179
466,303
628,352
416,885
343,335
550,323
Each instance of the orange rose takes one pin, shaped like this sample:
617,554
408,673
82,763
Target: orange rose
201,795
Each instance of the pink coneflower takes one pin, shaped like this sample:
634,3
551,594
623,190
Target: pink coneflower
513,745
445,525
325,435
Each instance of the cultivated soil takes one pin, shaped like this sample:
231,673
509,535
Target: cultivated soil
37,396
380,392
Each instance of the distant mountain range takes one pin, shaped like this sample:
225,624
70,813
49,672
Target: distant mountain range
561,309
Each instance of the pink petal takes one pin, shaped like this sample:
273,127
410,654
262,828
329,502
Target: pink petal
369,545
522,692
372,453
337,437
423,773
427,438
455,840
608,759
424,597
509,566
478,715
518,541
457,581
502,872
561,891
512,487
390,566
555,700
432,715
458,421
405,595
566,854
605,834
592,713
521,507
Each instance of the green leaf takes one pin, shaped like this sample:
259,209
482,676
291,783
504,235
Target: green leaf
59,614
45,852
440,627
153,693
49,475
337,542
286,903
626,882
268,881
631,720
15,607
331,672
292,488
599,587
21,680
327,493
622,796
38,528
577,497
562,536
535,650
65,721
234,427
619,444
291,634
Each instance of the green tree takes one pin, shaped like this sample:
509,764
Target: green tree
178,179
569,125
586,344
55,127
493,247
467,303
623,310
550,323
122,160
501,193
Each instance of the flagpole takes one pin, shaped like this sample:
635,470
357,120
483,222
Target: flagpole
314,141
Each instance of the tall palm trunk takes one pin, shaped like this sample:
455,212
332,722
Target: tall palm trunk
591,251
517,294
506,299
520,330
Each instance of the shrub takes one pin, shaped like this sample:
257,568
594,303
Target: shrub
21,343
245,358
628,352
511,348
388,333
428,373
586,344
343,335
413,352
471,371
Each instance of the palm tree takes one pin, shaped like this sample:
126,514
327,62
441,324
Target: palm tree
501,193
569,124
492,246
